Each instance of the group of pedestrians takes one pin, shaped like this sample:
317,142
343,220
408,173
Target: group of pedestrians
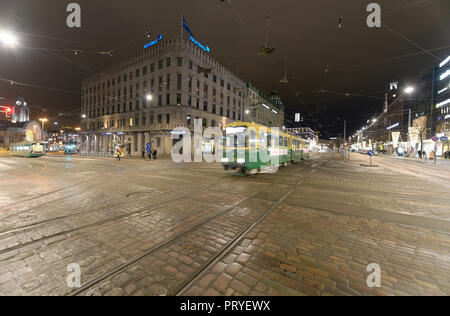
152,153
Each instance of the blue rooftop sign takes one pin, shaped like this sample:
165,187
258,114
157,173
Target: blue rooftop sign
204,47
152,43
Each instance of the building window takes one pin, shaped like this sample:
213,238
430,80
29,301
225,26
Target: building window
179,99
160,84
214,108
168,118
159,118
179,82
221,111
152,68
189,100
204,122
152,119
168,62
205,106
160,64
160,100
138,71
168,99
191,65
213,123
144,70
158,142
168,82
189,84
180,61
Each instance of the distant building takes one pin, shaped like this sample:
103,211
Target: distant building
262,109
442,100
20,111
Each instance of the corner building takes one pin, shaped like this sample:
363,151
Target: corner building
184,82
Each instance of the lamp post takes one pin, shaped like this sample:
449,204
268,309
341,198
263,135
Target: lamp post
8,39
43,121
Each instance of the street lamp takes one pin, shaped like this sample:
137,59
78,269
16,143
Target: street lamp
43,121
83,116
409,90
8,39
149,97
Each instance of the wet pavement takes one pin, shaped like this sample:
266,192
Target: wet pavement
160,228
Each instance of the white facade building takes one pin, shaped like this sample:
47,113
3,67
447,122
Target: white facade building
184,83
261,109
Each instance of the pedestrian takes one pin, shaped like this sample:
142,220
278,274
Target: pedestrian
432,155
150,154
155,152
118,153
143,155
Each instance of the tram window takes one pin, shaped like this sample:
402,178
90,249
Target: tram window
253,138
285,142
280,143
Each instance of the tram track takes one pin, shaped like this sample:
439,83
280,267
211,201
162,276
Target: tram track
184,234
98,223
46,194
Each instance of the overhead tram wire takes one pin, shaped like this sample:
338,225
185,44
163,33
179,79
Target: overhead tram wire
410,41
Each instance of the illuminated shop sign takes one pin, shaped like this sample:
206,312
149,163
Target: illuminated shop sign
444,62
393,126
441,104
152,43
204,47
445,75
443,90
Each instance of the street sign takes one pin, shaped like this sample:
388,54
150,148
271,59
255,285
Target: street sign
371,153
444,139
149,148
435,139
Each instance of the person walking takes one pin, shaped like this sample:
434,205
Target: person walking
118,154
150,154
143,155
155,153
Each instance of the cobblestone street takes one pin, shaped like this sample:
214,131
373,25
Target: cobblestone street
159,228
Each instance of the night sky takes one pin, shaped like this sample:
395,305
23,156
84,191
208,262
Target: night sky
353,54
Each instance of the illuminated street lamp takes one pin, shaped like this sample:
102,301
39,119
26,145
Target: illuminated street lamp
409,90
78,129
43,121
8,39
83,116
149,97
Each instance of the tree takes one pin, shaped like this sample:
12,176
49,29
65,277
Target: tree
421,125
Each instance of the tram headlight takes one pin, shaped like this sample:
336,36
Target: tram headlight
241,160
225,160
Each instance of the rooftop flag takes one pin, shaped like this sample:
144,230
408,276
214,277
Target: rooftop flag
186,27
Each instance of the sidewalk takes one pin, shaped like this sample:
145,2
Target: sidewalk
440,160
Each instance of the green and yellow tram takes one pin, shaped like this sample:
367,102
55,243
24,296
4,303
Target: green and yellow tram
27,149
252,148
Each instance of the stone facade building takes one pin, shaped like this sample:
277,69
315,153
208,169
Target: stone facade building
142,99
